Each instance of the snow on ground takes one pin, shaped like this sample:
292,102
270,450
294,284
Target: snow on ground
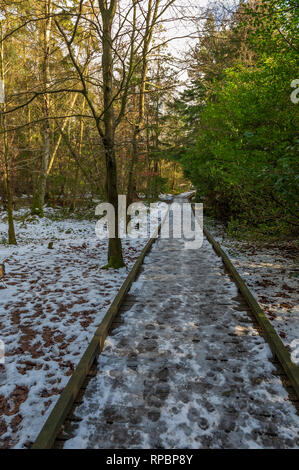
271,273
50,305
165,197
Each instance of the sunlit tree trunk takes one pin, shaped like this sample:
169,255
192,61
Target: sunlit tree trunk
151,18
40,190
173,176
5,152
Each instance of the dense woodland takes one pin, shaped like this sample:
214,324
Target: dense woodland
238,141
98,104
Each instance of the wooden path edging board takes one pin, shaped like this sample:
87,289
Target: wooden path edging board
51,428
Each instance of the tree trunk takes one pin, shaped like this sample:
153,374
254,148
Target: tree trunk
5,153
11,228
151,19
40,191
115,256
173,177
131,191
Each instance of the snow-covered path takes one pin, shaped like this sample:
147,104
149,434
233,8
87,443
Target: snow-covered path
187,368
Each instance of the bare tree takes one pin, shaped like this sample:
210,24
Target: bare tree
125,37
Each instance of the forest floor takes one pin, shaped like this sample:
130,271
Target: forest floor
51,302
271,271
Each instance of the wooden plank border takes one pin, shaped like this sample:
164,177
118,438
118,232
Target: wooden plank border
51,428
275,343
